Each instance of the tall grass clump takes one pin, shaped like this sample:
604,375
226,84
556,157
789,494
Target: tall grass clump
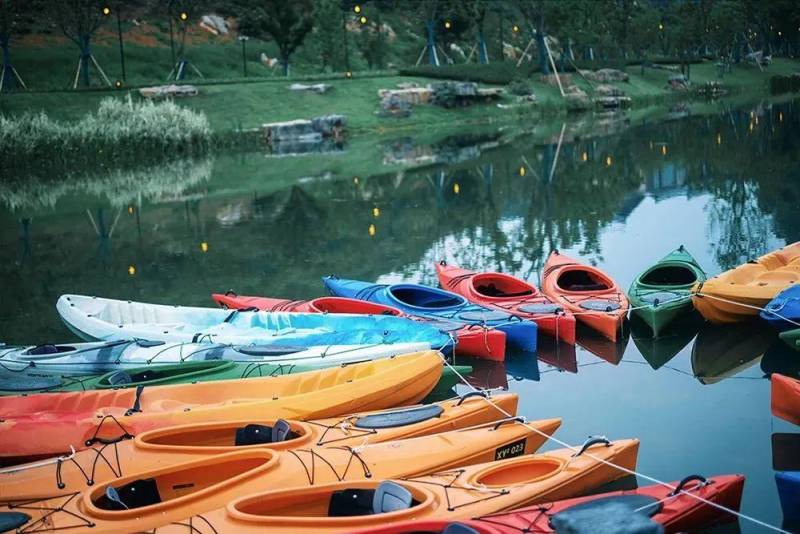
121,130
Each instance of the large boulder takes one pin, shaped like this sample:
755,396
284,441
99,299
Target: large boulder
214,24
606,75
577,99
608,90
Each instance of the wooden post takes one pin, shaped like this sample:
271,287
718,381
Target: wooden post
553,64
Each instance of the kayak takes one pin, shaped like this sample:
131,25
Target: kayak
434,303
50,424
506,293
587,292
786,398
94,318
680,513
103,356
783,312
738,294
663,291
470,341
36,381
788,483
183,443
471,491
791,338
658,351
723,351
168,494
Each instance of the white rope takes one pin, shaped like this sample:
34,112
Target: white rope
743,305
619,467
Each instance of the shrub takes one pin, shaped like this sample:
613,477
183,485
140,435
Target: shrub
495,73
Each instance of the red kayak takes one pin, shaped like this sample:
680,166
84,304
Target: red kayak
474,341
786,398
680,513
587,292
511,295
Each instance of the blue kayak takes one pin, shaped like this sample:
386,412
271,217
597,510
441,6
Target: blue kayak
433,303
786,305
788,483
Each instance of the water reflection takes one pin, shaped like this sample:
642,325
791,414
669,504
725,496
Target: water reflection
659,351
722,351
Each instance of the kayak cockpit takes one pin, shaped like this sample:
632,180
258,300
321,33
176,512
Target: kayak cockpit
522,471
669,275
425,297
497,285
227,435
159,373
158,490
583,280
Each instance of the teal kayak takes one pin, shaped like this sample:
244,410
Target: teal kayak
663,291
792,338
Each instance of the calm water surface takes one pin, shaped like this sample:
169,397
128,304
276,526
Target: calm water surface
618,191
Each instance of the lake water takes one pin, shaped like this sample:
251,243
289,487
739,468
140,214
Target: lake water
619,191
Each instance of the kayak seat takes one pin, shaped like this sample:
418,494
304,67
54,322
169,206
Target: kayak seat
622,514
119,378
399,418
491,290
41,350
12,520
587,287
391,497
670,275
136,494
263,434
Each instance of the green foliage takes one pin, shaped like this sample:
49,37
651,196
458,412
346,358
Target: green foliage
286,23
784,84
328,42
497,73
520,87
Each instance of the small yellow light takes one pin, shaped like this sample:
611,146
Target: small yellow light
522,170
204,246
663,150
184,16
355,180
106,11
362,19
357,9
609,161
585,156
660,26
719,138
130,210
756,121
751,126
131,270
118,84
515,28
447,24
780,116
456,188
348,74
372,230
779,34
376,212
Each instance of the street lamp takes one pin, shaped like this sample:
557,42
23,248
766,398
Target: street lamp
356,9
106,12
515,28
243,39
362,19
448,25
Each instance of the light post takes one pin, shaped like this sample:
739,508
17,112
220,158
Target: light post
106,12
243,39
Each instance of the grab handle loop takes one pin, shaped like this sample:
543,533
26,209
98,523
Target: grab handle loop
589,443
231,293
691,478
136,404
113,495
517,419
464,397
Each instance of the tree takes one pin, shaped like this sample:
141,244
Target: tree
286,23
15,17
79,20
327,28
533,12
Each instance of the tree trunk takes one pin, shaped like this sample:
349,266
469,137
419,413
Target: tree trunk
86,54
9,80
544,68
483,53
433,58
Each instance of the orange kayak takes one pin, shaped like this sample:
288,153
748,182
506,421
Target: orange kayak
51,424
509,294
176,444
727,297
454,494
185,493
786,398
587,292
472,340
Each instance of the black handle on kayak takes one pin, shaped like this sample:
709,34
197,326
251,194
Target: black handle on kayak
591,442
443,263
511,420
231,293
136,404
691,478
464,397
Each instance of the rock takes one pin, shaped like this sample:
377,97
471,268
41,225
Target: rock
606,75
394,106
412,95
315,88
577,99
304,130
329,125
678,82
608,90
407,85
456,94
214,24
165,91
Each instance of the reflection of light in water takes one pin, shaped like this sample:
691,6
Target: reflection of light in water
355,180
204,246
522,170
751,126
131,270
609,161
585,156
663,150
130,210
780,116
372,230
719,138
376,212
456,188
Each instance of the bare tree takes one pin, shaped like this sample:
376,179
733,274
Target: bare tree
79,20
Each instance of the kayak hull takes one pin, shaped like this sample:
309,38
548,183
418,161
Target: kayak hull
740,293
783,312
791,338
511,295
471,341
788,483
785,394
587,292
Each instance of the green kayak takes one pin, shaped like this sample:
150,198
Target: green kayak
792,338
35,381
662,292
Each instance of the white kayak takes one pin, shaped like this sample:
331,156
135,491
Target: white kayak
100,357
101,319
